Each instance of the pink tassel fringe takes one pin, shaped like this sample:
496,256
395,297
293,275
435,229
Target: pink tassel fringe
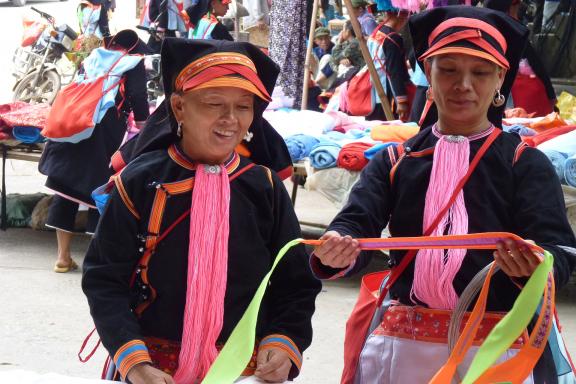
207,273
435,269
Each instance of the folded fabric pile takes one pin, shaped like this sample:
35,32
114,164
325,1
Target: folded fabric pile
389,133
549,134
23,121
372,151
325,154
570,171
559,150
300,146
352,156
519,129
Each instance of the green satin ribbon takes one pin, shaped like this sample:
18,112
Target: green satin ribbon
236,354
513,324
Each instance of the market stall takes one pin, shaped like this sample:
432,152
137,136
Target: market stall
20,139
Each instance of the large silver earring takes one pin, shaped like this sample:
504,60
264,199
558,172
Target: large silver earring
499,99
429,95
248,136
179,130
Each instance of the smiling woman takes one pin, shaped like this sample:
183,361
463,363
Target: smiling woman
203,183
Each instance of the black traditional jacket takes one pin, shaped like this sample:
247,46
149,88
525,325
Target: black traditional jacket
150,194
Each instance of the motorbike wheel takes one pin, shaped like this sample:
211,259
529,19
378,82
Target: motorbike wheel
19,3
45,92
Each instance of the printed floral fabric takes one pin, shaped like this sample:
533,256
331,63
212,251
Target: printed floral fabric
288,45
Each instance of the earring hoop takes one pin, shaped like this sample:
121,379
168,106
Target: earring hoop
499,99
429,95
179,130
248,136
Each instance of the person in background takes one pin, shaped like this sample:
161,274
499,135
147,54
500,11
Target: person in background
467,53
190,290
532,89
166,17
93,18
203,20
74,170
346,59
386,47
365,18
259,14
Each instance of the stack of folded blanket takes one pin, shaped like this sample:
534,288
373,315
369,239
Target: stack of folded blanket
352,156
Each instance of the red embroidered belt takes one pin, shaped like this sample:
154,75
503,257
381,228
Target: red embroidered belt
418,323
164,354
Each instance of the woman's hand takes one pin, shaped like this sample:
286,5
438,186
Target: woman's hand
337,251
273,365
147,374
516,260
403,111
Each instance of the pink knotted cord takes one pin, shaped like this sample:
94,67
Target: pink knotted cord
207,272
435,269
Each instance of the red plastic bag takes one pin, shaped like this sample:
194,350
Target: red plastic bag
32,31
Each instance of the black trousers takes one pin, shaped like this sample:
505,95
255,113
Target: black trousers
62,215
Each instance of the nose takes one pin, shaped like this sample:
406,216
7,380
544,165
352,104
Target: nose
464,82
229,115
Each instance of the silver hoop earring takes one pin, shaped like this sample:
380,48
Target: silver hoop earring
179,130
248,136
499,99
429,95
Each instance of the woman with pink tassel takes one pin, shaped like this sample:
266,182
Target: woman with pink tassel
193,224
459,175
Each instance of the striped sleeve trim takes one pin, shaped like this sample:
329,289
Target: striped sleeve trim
132,353
284,343
124,195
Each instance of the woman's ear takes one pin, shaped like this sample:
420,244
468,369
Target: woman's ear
177,105
501,76
427,69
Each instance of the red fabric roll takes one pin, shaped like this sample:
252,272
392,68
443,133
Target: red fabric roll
351,156
540,138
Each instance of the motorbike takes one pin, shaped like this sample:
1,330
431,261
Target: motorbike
154,85
38,77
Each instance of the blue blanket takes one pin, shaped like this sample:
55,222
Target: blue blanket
570,171
370,153
324,155
300,146
28,135
558,160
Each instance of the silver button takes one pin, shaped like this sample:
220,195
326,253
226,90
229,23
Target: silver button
214,169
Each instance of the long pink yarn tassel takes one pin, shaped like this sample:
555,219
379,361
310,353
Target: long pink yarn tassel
207,272
435,268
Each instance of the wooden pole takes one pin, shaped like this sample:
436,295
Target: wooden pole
308,54
369,62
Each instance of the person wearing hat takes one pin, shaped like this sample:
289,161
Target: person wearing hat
365,18
532,90
202,20
197,225
386,47
322,50
470,56
74,170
